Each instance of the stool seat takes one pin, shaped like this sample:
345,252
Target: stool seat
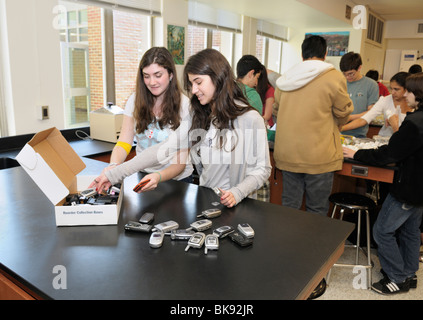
352,201
356,203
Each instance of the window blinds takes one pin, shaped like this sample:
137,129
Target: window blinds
150,7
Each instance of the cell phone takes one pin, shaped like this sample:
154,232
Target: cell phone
141,184
196,241
181,234
139,227
240,239
167,226
217,191
156,239
246,230
201,225
88,193
210,213
222,232
147,217
211,243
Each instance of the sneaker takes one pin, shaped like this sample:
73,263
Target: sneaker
386,286
319,290
412,280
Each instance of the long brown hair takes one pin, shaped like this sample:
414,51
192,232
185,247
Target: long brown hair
144,99
225,110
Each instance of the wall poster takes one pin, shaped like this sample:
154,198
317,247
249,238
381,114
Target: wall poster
337,41
176,43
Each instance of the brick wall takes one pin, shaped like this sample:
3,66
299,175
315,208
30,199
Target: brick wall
95,58
131,42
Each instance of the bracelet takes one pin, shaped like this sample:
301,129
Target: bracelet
112,164
126,146
159,175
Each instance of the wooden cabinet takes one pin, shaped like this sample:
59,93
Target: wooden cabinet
10,291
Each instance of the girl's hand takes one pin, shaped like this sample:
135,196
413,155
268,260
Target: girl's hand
152,184
100,183
227,198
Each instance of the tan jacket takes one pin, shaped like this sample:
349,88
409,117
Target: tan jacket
307,134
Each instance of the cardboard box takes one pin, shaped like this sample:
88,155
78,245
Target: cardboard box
106,123
54,166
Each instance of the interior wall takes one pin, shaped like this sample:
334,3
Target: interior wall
35,65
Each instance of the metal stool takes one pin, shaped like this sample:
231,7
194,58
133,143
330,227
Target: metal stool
355,203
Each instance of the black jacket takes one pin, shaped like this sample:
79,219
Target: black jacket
405,149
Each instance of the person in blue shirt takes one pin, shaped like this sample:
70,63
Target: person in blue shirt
363,91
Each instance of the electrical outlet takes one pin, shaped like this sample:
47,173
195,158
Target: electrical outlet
43,112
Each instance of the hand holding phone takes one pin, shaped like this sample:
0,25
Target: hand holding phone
141,184
227,199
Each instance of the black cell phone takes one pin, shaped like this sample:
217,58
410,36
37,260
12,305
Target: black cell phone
138,227
147,217
240,239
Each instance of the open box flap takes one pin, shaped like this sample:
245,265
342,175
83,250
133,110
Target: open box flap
42,174
49,153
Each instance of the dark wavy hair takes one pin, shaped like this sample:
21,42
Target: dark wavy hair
144,99
414,84
222,109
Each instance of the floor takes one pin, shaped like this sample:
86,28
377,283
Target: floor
344,284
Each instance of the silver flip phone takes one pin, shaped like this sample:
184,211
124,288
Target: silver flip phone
156,239
166,226
181,234
196,241
246,230
201,225
211,243
210,213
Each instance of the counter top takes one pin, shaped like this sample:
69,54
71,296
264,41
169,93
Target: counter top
292,249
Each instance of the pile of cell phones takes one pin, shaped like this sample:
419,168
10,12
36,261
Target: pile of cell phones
91,197
194,235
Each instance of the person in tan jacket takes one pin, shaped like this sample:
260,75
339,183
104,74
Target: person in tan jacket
314,103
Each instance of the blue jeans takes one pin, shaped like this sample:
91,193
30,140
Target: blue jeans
399,259
317,189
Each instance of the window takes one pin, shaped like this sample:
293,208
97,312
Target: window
197,39
214,28
375,29
269,52
94,73
75,47
132,39
202,37
269,44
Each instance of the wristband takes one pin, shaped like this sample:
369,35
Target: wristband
126,146
160,176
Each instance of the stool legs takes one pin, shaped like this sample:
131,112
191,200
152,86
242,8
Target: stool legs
369,261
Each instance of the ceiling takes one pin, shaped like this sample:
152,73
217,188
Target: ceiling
292,13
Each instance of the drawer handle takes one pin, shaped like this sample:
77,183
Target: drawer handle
360,171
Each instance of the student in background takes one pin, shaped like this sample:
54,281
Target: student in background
401,213
415,68
313,103
363,91
374,74
248,70
267,95
226,136
151,114
393,107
